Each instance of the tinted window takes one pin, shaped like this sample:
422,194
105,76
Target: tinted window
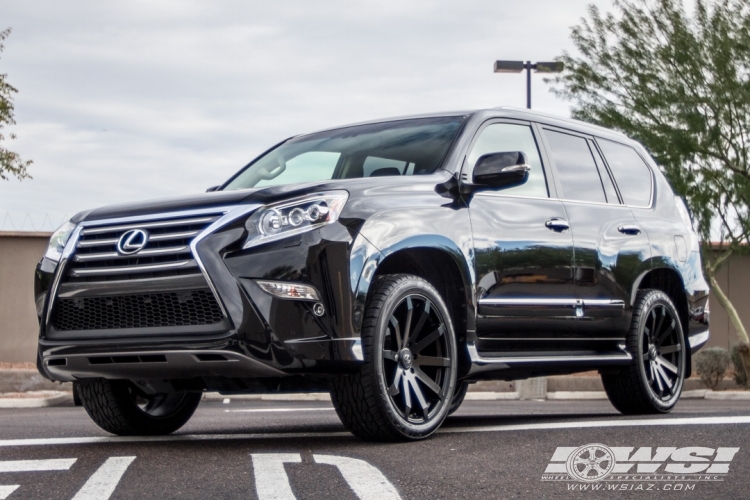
609,187
632,175
409,147
579,177
505,137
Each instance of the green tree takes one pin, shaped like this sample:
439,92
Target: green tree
679,83
10,162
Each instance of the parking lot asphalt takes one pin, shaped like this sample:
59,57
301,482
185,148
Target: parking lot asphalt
284,450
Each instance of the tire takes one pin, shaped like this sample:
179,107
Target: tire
653,382
116,407
401,392
458,398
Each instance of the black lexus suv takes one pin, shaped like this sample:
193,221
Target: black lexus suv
391,263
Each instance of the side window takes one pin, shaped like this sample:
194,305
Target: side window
631,173
579,177
502,137
311,166
609,187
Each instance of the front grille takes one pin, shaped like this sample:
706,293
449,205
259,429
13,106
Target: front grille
166,252
155,310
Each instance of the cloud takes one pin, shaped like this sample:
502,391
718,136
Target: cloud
126,101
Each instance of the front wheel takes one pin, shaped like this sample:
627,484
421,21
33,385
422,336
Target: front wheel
405,385
458,397
653,383
118,407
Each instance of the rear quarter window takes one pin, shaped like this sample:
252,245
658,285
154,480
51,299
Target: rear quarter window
631,173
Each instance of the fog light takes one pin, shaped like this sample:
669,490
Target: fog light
286,290
318,309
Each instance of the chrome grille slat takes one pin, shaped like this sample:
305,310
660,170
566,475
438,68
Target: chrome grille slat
172,236
149,225
147,268
143,253
166,253
96,243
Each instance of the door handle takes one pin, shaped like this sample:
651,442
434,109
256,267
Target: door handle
557,224
629,229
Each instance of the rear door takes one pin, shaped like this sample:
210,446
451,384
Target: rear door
610,246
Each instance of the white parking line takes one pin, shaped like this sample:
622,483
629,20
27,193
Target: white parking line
6,490
271,481
269,410
606,423
36,465
102,484
367,481
656,422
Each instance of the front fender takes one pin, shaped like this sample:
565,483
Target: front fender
395,231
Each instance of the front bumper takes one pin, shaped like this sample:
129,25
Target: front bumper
258,335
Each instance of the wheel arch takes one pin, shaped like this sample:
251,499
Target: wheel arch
442,268
670,282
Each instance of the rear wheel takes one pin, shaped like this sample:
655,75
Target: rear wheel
405,385
118,407
653,383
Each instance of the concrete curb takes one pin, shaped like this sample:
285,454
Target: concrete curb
41,402
577,395
313,396
491,396
67,397
728,395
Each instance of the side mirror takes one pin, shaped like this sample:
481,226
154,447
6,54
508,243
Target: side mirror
212,189
501,169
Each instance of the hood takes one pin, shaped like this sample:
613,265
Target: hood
191,202
358,188
209,200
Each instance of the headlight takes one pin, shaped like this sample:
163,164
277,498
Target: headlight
58,241
280,220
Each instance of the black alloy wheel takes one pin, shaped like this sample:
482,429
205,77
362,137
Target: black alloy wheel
416,369
117,406
406,383
660,352
654,382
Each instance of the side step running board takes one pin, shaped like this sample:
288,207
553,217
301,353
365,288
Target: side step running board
481,364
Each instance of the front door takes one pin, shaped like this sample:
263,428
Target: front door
523,250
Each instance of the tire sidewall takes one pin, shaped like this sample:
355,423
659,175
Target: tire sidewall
653,299
411,286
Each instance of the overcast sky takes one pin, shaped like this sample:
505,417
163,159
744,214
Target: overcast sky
124,101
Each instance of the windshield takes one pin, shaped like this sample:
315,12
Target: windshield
407,147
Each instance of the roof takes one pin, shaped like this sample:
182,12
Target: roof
501,112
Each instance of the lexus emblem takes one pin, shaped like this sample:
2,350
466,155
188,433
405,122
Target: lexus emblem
132,241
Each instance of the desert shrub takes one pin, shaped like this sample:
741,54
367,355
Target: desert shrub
740,376
711,364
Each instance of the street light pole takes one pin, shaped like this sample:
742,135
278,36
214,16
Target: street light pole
518,66
528,84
